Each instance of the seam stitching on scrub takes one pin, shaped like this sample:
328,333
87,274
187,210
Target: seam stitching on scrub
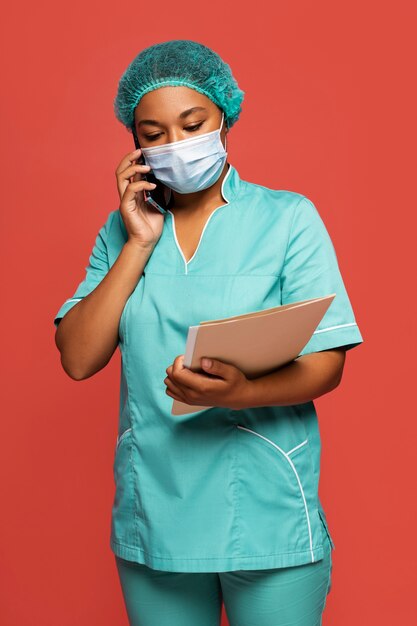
297,477
326,529
291,226
236,489
221,556
217,275
329,576
132,465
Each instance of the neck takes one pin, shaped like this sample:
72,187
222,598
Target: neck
199,200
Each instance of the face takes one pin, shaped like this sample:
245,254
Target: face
173,113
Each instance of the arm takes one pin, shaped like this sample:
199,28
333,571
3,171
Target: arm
87,335
299,381
302,380
88,323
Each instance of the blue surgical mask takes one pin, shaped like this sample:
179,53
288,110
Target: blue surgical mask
190,164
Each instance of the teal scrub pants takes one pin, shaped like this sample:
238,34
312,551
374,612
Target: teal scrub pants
290,596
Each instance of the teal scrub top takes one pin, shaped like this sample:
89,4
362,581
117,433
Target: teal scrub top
219,489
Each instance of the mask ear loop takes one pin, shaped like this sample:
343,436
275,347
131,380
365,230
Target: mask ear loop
225,137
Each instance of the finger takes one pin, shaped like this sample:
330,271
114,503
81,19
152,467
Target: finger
133,188
128,170
176,370
193,381
132,170
128,159
173,387
218,368
172,371
131,175
175,396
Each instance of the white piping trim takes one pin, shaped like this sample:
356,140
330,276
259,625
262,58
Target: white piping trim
122,436
296,447
324,330
73,300
205,225
176,240
297,477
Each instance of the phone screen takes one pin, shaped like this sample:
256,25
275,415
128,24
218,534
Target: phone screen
158,197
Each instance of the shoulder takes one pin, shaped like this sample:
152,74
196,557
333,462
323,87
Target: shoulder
283,199
277,204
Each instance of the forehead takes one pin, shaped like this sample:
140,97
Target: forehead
168,102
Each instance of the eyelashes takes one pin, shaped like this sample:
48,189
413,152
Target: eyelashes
188,128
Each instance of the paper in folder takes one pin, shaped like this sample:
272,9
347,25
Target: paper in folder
256,342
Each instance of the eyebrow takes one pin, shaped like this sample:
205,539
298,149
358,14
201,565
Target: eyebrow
182,115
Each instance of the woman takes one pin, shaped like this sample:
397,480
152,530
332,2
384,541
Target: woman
222,503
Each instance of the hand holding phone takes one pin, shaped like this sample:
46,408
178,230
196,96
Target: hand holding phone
142,222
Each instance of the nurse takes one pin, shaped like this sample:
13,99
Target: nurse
219,505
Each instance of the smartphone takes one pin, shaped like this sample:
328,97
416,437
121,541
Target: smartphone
159,197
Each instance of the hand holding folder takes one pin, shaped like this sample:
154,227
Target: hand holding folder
257,342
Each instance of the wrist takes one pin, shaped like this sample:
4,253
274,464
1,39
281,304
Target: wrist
140,246
248,396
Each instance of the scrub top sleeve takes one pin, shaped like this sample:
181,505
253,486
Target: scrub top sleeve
311,270
97,268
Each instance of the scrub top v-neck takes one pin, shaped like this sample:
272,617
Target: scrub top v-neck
219,489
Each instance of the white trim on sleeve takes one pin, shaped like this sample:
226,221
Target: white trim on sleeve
323,330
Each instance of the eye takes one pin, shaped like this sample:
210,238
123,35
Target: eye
189,128
195,127
152,137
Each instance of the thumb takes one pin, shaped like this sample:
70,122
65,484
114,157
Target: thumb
213,366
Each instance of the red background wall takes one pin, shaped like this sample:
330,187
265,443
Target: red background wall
329,112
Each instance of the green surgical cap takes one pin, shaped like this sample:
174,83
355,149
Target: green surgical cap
178,62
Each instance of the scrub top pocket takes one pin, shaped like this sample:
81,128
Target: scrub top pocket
279,481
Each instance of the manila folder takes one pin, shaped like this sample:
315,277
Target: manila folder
256,342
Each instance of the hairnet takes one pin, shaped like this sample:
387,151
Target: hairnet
178,62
